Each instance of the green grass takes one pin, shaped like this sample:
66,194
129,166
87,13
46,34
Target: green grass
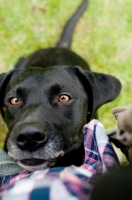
103,37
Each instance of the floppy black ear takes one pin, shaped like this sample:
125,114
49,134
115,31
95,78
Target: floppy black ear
4,79
101,88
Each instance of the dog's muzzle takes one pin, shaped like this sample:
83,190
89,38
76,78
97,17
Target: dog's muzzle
30,137
28,147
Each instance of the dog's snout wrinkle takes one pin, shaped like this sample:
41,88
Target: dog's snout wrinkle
30,138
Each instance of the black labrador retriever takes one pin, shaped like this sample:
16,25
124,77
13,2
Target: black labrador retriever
45,101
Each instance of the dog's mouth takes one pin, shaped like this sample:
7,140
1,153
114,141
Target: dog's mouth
35,162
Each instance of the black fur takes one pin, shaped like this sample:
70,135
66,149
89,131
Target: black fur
43,131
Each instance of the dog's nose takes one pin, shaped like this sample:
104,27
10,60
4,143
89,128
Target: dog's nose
30,138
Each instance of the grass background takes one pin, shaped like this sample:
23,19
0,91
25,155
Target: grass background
103,37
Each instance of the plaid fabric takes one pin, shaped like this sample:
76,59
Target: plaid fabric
69,183
99,154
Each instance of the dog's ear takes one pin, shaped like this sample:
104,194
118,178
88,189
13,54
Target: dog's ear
101,88
4,79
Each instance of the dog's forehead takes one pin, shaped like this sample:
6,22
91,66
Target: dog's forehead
33,77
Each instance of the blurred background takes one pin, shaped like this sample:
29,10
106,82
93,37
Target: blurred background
103,37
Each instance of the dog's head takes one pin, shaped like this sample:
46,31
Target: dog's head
45,110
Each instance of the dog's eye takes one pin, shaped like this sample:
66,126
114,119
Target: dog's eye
64,98
14,101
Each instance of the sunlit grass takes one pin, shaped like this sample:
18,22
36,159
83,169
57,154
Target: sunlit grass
103,37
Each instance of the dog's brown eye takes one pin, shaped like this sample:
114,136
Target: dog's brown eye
64,98
14,101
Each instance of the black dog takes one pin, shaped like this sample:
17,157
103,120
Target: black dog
45,101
